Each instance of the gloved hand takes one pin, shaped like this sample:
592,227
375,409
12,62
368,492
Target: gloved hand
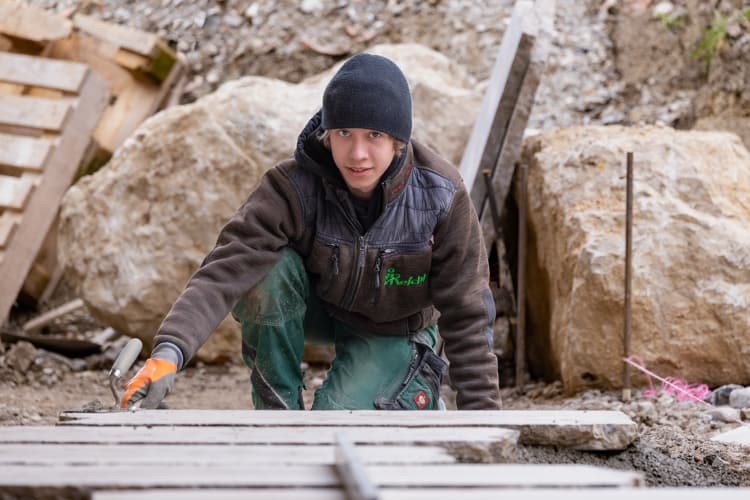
151,384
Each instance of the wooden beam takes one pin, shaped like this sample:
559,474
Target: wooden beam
27,22
24,152
584,430
46,318
34,112
42,72
211,454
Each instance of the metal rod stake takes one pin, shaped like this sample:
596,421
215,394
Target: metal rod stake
628,275
521,300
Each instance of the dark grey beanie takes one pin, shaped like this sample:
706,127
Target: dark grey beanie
369,92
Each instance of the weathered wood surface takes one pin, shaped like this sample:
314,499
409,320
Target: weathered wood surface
740,435
590,430
41,209
479,436
33,112
27,153
300,476
42,72
134,40
430,494
211,454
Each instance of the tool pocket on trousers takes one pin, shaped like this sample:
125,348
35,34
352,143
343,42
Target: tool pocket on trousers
420,389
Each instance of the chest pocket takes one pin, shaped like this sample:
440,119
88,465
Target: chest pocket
397,283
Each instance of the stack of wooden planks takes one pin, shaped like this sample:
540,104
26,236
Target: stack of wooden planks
230,454
272,454
71,92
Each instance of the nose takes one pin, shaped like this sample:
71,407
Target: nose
358,151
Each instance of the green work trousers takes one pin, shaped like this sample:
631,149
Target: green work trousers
370,371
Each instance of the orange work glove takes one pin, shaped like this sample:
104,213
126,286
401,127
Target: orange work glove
151,384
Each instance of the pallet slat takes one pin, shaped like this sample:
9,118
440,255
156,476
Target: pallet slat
42,72
145,44
34,112
24,152
14,191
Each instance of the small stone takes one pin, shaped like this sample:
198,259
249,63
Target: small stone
720,395
310,6
233,20
252,11
663,9
740,398
213,77
20,356
745,413
724,414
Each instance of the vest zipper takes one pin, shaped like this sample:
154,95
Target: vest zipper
378,269
361,254
333,265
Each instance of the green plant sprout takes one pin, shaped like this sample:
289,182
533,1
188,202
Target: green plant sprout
714,36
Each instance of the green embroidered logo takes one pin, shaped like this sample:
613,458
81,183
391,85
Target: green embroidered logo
392,278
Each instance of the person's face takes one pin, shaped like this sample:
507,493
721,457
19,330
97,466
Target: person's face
362,156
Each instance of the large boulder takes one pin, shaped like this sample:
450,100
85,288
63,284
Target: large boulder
133,233
691,254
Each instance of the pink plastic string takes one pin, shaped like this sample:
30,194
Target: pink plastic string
678,387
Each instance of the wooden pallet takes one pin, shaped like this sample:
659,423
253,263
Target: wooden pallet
141,72
257,456
48,111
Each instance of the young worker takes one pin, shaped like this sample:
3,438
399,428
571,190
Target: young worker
365,239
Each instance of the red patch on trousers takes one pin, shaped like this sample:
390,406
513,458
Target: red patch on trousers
421,400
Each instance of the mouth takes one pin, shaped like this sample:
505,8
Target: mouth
355,170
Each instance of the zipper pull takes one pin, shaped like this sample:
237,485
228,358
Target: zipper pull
334,260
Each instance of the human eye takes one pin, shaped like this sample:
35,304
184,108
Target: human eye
374,134
342,132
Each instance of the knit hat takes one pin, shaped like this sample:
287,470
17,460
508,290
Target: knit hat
369,92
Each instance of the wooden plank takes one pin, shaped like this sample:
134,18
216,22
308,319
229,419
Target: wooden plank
46,318
96,54
34,112
226,494
24,152
210,454
489,128
42,72
14,191
27,22
585,430
480,437
137,41
740,436
433,494
41,209
300,476
436,494
8,223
